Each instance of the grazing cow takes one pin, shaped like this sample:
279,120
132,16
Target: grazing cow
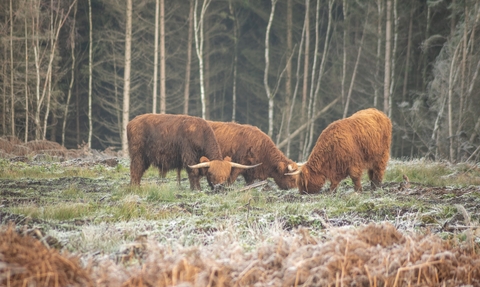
248,145
175,142
346,148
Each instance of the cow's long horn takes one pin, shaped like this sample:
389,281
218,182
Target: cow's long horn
290,168
234,164
200,165
294,173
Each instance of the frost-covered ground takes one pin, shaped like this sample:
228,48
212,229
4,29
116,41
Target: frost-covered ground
87,208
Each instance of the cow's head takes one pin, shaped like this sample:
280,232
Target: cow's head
305,181
218,171
281,178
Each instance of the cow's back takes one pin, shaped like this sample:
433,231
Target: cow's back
171,140
360,140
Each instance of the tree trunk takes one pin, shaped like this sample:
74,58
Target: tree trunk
126,77
267,65
155,58
163,94
312,84
288,80
77,114
199,49
72,79
26,81
235,60
409,48
12,94
394,54
90,71
305,76
344,64
463,80
425,58
4,75
379,51
186,94
388,53
452,77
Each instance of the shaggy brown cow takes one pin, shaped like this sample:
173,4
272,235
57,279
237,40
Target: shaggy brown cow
175,142
248,145
346,148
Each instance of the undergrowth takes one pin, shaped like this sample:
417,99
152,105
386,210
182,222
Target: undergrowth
98,199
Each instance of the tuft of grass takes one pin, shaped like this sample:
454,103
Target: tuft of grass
60,212
434,173
160,194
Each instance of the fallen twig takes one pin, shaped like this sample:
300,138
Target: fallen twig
253,185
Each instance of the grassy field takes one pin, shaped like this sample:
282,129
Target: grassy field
89,209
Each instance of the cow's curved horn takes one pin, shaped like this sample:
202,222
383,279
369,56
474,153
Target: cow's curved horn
294,173
234,164
290,168
200,165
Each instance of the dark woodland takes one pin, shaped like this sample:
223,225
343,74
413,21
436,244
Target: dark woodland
290,67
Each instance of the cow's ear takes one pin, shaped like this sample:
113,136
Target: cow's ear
227,158
204,159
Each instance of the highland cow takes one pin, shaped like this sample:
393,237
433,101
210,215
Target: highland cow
176,142
346,148
248,145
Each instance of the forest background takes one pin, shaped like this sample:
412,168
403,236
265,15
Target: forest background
76,71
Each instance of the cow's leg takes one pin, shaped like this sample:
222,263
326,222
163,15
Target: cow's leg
376,174
179,172
376,177
138,166
234,174
333,185
356,176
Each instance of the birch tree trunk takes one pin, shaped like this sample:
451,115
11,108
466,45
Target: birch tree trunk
388,53
186,94
48,80
344,64
451,82
235,59
409,48
72,79
163,94
90,65
288,80
394,54
55,31
12,94
126,77
464,76
26,80
4,104
379,51
155,58
267,65
198,26
312,84
306,64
